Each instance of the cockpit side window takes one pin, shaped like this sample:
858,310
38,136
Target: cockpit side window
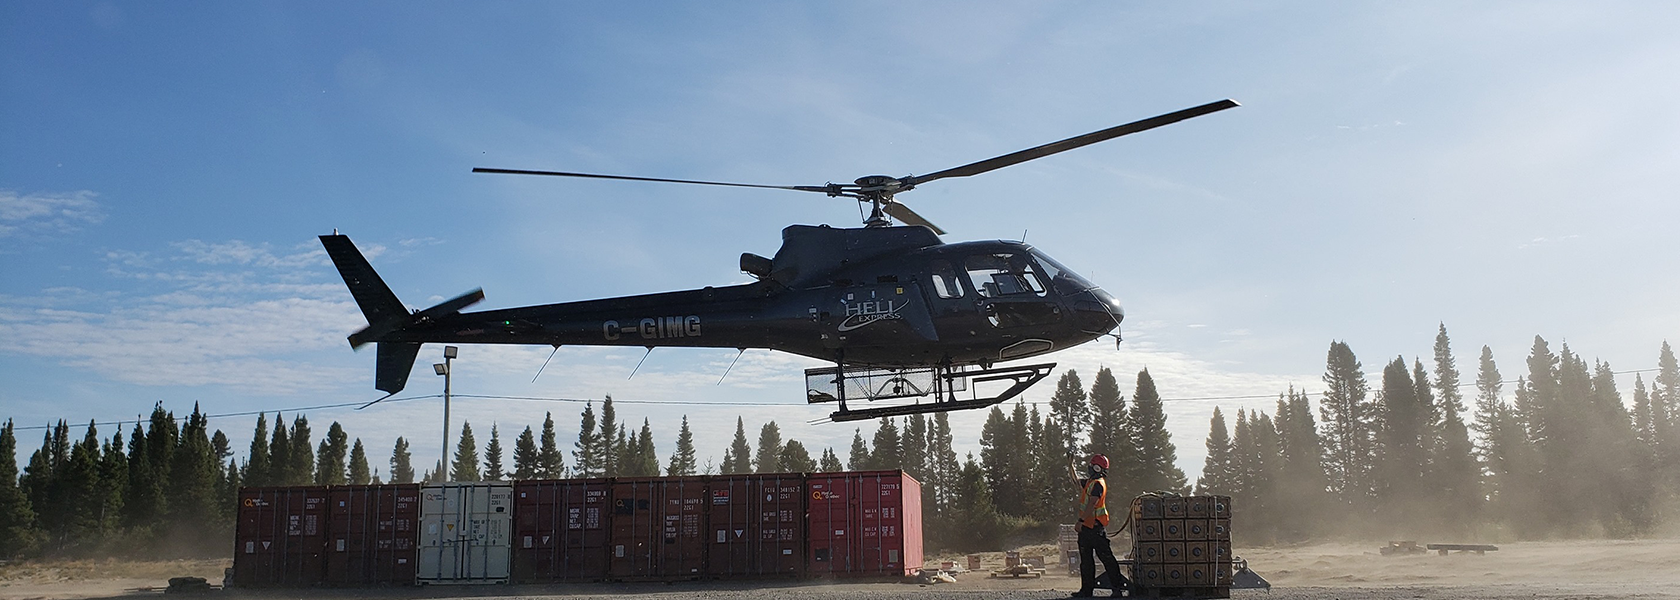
1003,274
945,281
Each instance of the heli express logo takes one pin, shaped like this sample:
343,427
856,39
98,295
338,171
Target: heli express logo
863,313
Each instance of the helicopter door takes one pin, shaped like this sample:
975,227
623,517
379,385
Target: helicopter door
876,315
1011,291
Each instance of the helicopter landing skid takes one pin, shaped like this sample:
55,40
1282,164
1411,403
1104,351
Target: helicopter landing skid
940,384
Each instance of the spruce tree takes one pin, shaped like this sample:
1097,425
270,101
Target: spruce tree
113,486
493,456
257,465
331,455
1263,483
143,499
1302,500
162,437
768,457
914,445
796,459
552,462
1454,472
465,467
683,462
610,443
228,496
77,491
647,458
738,458
280,453
1349,427
37,483
17,518
858,459
527,460
976,521
586,458
622,449
943,467
1157,457
192,478
886,452
1401,453
994,448
830,462
359,471
302,469
1643,423
1049,470
1217,469
1665,414
1108,426
1070,407
402,463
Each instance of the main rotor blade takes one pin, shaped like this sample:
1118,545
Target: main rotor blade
1071,143
831,189
905,215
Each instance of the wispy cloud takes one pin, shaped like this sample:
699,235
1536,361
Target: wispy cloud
41,214
227,313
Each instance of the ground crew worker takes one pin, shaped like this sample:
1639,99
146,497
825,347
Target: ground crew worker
1093,528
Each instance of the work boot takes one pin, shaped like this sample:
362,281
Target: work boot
1081,594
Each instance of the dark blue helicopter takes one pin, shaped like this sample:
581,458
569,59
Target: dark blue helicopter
902,315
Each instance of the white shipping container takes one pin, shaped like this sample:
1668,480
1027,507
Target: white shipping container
465,533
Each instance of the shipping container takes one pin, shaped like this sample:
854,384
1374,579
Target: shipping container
372,534
864,524
656,528
466,532
757,525
560,530
281,536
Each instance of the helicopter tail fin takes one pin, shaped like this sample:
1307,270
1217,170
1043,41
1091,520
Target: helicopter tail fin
385,313
376,300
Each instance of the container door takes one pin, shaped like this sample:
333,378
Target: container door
635,529
467,533
682,545
780,524
831,529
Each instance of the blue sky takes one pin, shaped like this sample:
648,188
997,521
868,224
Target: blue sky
1505,168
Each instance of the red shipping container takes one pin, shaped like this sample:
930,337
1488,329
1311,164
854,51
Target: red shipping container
656,528
372,533
281,536
864,523
757,525
560,530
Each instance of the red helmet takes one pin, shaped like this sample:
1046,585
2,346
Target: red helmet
1099,461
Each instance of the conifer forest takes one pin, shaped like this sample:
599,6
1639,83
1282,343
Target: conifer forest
1547,447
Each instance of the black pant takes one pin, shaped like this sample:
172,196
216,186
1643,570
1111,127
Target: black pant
1094,541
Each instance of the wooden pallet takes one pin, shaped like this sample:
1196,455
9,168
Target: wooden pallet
1018,571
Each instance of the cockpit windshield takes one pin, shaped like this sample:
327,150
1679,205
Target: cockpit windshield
1065,280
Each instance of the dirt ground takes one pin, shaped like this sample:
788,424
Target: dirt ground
1526,570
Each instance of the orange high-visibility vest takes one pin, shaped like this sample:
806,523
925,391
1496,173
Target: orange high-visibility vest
1100,513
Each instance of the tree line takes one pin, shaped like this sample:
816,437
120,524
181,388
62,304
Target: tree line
1564,456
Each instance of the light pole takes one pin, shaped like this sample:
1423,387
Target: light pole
442,368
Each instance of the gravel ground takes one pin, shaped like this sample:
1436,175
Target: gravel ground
705,591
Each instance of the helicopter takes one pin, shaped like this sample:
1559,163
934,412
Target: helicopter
908,321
